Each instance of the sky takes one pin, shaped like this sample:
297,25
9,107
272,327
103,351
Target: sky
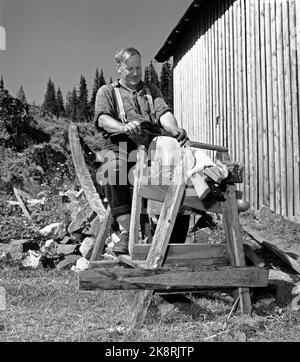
62,39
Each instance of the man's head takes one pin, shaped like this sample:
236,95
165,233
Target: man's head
129,66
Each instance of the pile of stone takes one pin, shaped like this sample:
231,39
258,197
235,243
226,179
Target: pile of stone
62,246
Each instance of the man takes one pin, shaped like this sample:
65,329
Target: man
122,109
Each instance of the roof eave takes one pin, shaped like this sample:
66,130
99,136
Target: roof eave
168,48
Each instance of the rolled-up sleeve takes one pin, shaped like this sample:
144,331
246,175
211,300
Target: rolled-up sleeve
160,106
104,104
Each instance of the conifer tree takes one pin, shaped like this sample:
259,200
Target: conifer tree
166,83
21,95
1,82
68,107
82,104
170,98
50,104
95,88
99,81
60,103
74,105
147,75
153,75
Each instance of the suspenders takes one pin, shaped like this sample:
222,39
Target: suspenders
121,105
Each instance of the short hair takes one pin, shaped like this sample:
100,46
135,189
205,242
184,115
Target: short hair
123,54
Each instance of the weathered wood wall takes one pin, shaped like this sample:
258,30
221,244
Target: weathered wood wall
236,84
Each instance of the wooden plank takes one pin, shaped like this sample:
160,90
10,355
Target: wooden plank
122,278
158,193
136,199
275,109
265,198
293,262
83,174
270,119
235,67
250,90
258,100
21,203
281,108
183,251
241,95
233,237
102,235
106,263
161,238
296,103
288,111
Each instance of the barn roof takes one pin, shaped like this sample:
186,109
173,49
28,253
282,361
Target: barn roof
168,48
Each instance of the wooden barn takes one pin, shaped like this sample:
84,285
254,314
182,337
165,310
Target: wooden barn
236,84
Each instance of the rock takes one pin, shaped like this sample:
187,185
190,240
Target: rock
93,227
81,264
54,231
47,246
68,262
83,215
32,260
77,237
65,249
66,240
86,247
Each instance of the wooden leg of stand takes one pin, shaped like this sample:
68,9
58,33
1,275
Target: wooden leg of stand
160,242
102,236
136,205
234,243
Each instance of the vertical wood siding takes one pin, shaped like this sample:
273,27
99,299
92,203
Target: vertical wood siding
236,84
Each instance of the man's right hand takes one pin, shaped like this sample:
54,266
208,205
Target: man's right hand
132,128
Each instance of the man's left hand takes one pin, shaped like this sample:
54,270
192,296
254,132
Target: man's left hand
181,136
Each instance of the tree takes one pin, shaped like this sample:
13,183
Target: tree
1,82
68,107
147,75
82,104
153,77
99,81
166,83
60,103
74,105
50,103
170,98
21,95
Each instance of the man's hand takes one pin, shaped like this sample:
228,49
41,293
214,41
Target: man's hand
181,135
132,128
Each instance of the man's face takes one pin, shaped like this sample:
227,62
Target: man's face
131,71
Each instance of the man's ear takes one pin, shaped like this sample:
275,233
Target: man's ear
118,65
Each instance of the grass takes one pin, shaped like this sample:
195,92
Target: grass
46,305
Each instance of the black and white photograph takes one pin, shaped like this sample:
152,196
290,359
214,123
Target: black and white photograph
150,174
